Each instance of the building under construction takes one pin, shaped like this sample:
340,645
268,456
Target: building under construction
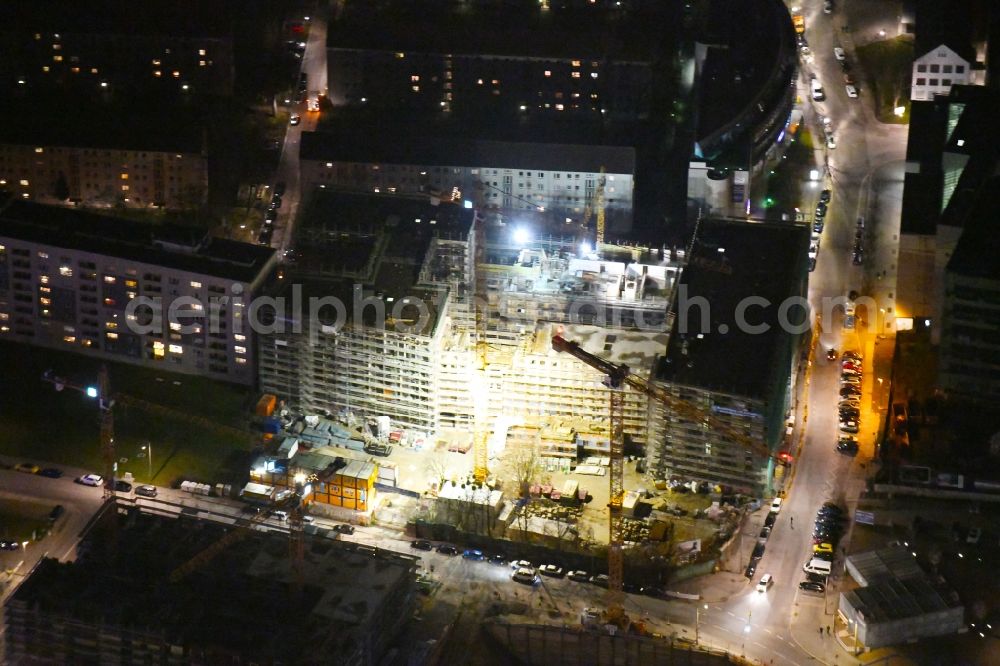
114,604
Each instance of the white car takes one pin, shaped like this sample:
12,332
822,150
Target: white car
831,143
525,576
839,54
852,92
776,505
294,119
93,480
765,582
522,564
551,570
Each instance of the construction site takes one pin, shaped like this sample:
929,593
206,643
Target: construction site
121,600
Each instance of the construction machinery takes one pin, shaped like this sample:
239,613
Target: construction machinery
617,377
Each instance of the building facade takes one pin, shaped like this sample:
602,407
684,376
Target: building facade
935,72
558,179
105,176
69,280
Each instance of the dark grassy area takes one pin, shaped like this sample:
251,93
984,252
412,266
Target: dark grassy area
23,521
41,424
888,67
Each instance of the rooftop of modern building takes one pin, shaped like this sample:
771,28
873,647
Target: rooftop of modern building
976,254
735,264
894,587
180,18
922,188
524,28
169,246
389,147
242,597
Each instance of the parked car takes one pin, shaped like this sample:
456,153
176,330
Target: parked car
600,580
57,511
824,196
270,216
521,564
497,558
765,532
776,505
823,548
447,549
751,569
758,551
848,447
146,491
765,582
839,54
653,591
851,90
769,521
524,576
849,425
812,586
9,545
93,480
578,576
294,119
281,516
123,486
420,544
279,188
831,354
344,528
472,554
51,473
27,468
826,557
551,570
818,225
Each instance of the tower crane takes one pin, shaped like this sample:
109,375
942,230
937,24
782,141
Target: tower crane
599,205
617,377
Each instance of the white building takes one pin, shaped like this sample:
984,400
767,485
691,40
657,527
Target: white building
68,278
935,72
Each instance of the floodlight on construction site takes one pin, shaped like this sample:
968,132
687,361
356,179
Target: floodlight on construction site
814,174
92,392
300,479
584,249
522,236
467,204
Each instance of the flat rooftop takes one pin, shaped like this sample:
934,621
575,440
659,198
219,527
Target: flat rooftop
241,596
979,246
733,261
182,18
170,246
876,565
390,147
636,349
505,29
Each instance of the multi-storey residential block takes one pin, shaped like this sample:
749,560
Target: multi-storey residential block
69,280
100,169
558,179
935,72
733,353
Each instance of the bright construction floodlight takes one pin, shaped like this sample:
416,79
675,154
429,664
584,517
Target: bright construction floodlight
521,236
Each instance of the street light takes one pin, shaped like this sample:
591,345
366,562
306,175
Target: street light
149,459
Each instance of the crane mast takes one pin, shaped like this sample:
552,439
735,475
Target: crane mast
617,377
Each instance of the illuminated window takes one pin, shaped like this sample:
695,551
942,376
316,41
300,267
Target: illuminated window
576,63
4,316
130,283
157,73
131,317
69,338
111,336
415,88
111,325
175,326
240,350
124,176
548,73
39,150
110,279
575,75
158,349
593,75
45,301
45,68
124,188
57,58
329,165
239,338
93,70
197,307
44,279
24,183
109,302
201,52
195,285
176,349
414,78
176,74
156,62
240,360
400,56
75,70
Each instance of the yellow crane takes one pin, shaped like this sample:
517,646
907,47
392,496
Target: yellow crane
617,377
599,205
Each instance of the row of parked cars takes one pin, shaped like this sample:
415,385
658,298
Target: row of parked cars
827,530
527,573
849,407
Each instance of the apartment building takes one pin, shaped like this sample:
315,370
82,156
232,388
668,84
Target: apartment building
69,280
733,364
422,372
177,48
104,172
439,58
935,72
514,177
